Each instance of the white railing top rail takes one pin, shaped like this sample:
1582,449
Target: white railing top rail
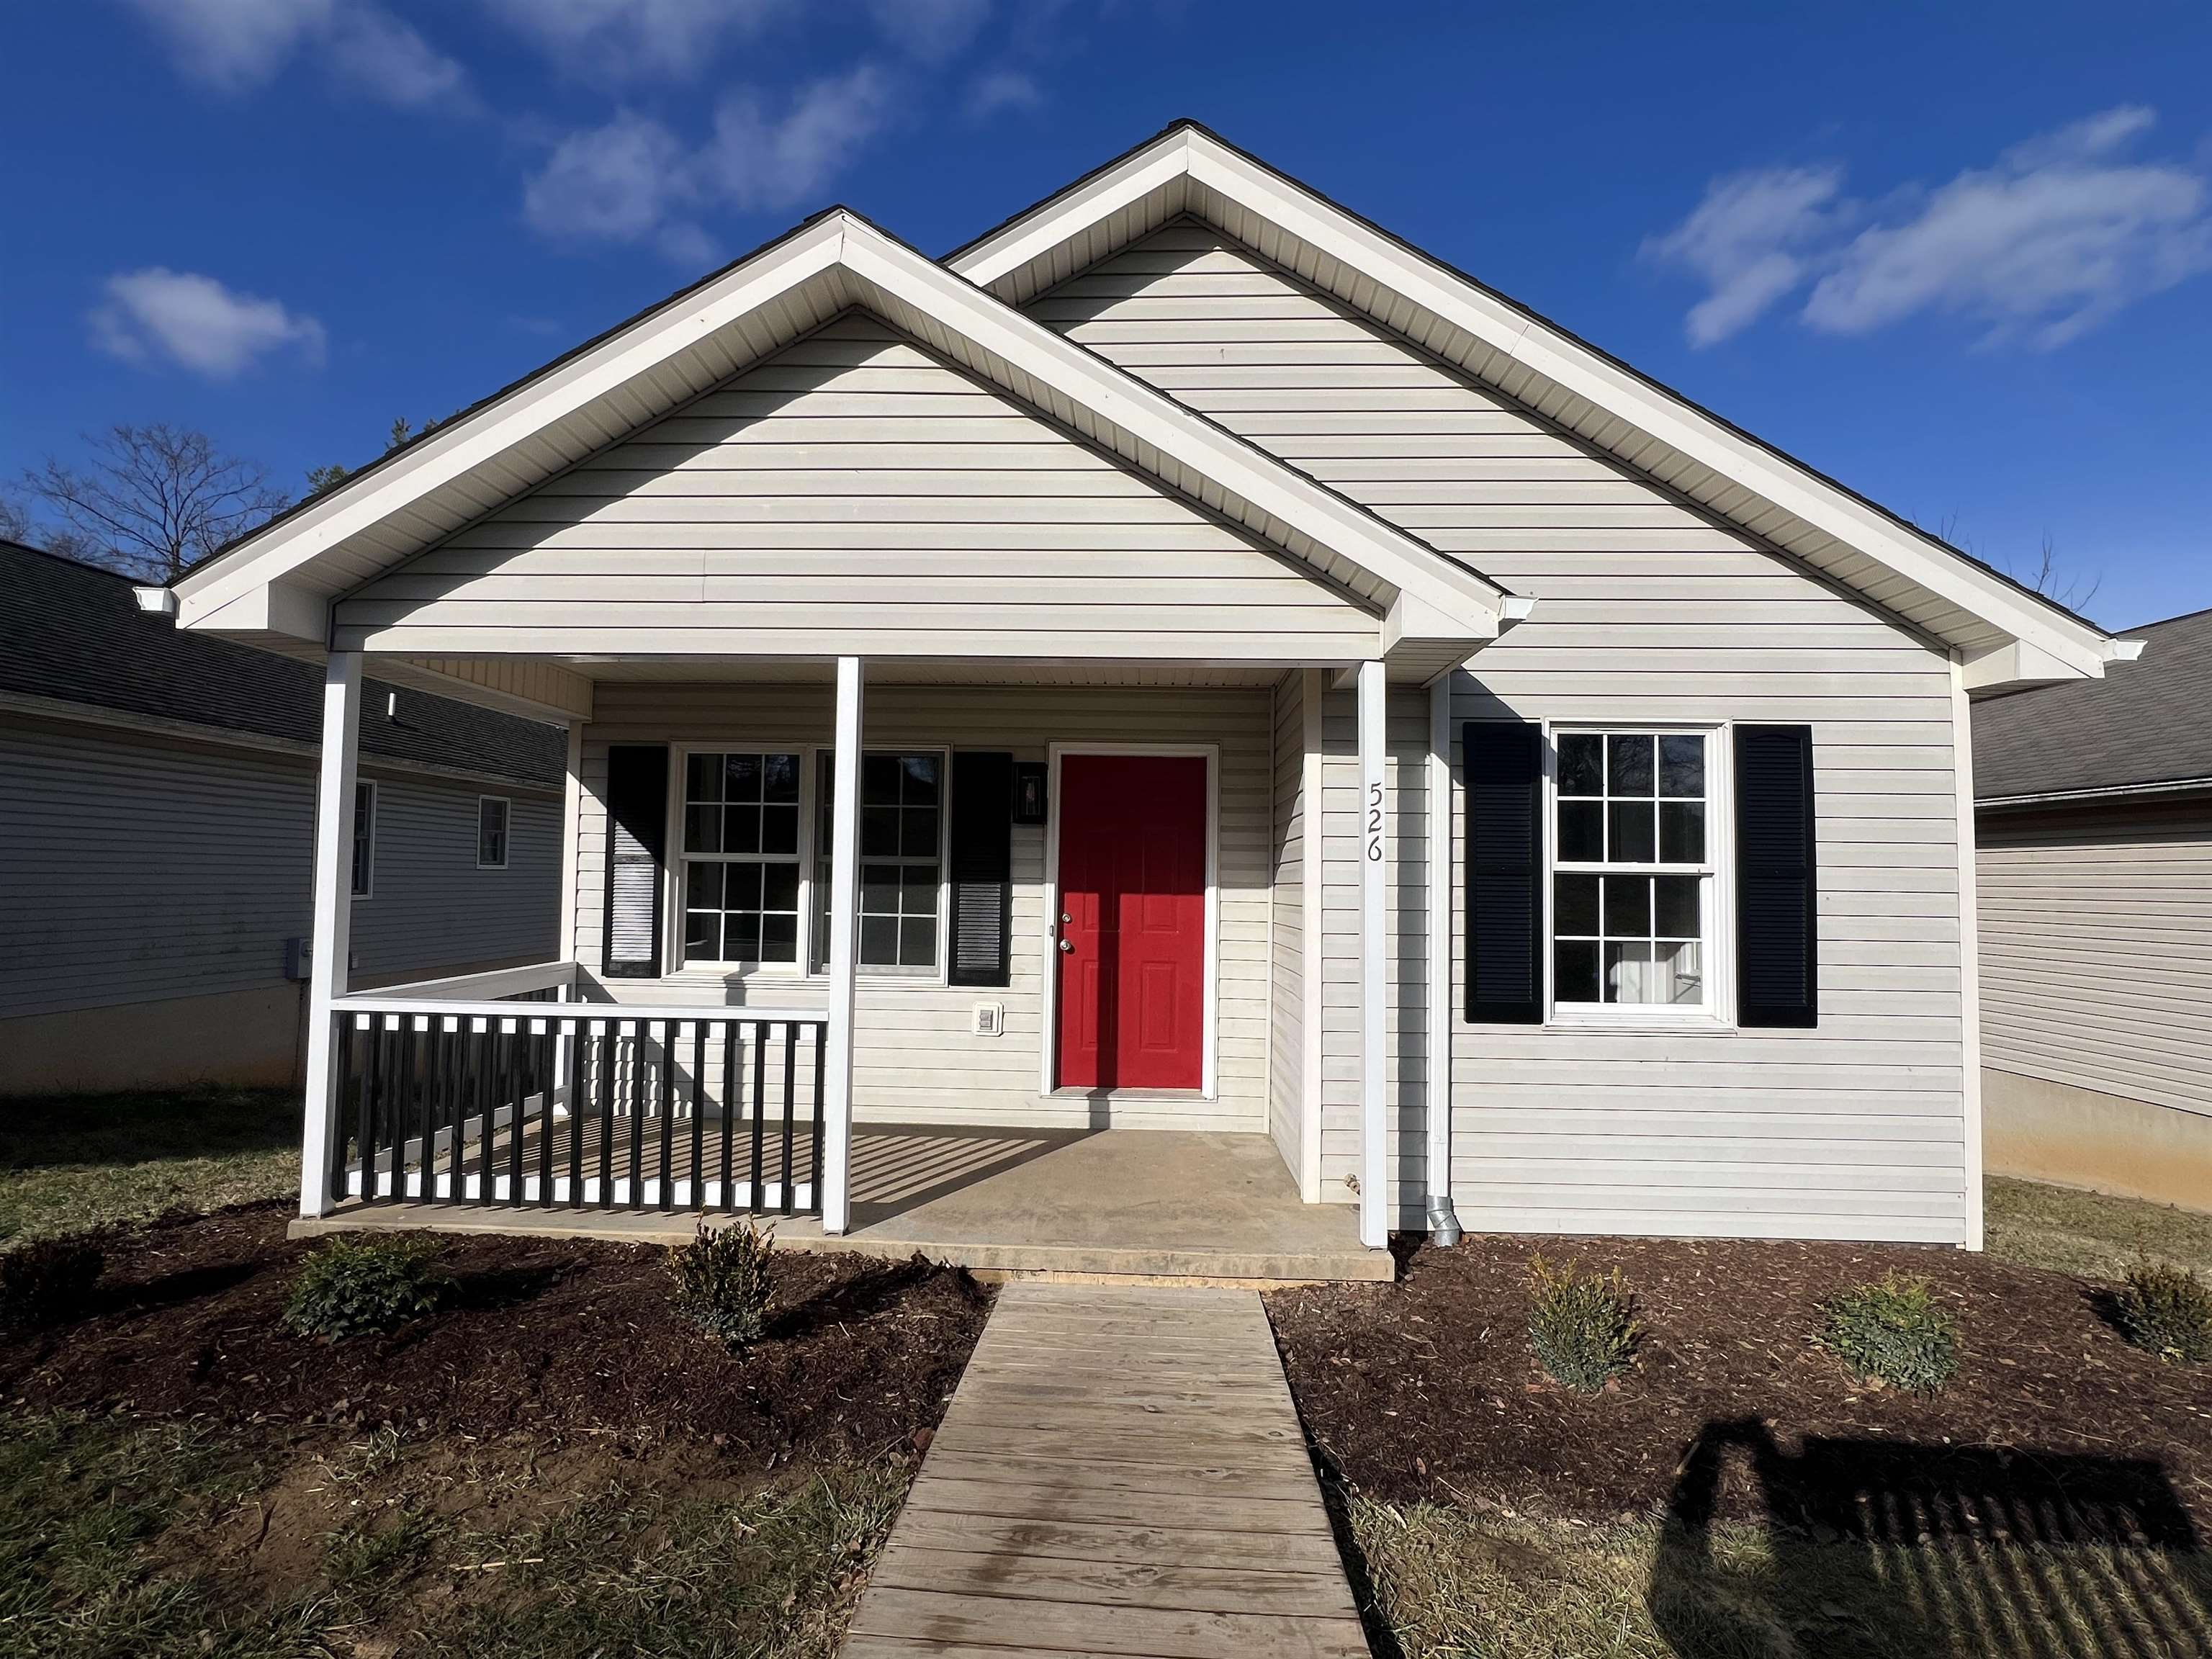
378,1002
492,983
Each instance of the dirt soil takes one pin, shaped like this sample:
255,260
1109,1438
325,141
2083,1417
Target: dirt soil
2054,1425
558,1338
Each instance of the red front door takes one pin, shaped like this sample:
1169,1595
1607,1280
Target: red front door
1132,922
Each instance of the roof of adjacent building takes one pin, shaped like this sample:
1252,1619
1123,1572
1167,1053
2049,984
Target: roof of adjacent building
74,632
2146,724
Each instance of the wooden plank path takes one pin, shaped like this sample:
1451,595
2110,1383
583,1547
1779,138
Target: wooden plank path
1121,1472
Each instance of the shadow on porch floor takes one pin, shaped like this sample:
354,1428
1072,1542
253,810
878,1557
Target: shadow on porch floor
1144,1203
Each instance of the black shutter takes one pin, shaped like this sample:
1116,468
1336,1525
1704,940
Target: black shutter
1504,873
982,867
1777,917
637,837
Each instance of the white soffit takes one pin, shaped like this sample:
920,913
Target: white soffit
278,581
1984,618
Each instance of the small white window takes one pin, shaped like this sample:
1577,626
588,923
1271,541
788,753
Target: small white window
1635,871
492,812
364,839
740,843
903,823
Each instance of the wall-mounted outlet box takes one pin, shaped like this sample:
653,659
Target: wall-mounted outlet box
988,1018
299,957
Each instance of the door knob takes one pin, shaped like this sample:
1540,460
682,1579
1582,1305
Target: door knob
1067,944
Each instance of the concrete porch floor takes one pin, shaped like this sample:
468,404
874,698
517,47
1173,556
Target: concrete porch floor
1119,1203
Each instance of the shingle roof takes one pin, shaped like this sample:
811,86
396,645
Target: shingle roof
2146,722
74,632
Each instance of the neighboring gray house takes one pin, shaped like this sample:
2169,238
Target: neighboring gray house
1186,661
157,804
2093,824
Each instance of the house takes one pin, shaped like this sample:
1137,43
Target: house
1186,662
2092,825
157,804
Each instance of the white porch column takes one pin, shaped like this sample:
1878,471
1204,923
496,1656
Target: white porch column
333,929
844,901
1443,1219
1374,983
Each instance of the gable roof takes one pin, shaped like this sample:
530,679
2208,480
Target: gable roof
2004,633
2146,727
72,633
276,585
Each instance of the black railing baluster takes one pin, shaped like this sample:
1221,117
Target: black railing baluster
450,1044
666,1094
755,1200
334,1171
363,1151
512,1046
388,1099
814,1157
698,1112
545,1068
790,1104
482,1047
729,1098
637,1115
610,1040
577,1035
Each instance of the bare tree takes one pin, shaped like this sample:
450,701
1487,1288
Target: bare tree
2050,580
153,499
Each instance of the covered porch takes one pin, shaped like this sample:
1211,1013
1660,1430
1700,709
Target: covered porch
1121,1203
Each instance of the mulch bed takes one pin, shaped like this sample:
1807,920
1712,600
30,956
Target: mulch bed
1427,1390
555,1337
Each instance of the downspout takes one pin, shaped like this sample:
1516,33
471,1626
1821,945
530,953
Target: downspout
1442,1218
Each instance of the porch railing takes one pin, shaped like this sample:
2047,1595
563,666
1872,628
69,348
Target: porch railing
515,1100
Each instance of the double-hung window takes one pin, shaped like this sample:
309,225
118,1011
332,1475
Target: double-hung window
364,839
1634,876
492,815
741,903
902,860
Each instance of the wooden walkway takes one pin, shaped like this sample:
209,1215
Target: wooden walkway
1121,1472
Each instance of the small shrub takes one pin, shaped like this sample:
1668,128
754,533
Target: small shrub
351,1286
44,1282
2166,1311
1583,1326
1893,1332
722,1282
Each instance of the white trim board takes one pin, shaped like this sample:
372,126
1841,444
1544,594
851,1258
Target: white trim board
2005,633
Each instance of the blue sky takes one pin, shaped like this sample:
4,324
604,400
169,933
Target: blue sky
1958,257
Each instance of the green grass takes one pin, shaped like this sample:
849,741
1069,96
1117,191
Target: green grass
119,1538
2068,1232
70,1162
1450,1583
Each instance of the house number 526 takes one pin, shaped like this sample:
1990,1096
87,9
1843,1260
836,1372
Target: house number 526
1375,823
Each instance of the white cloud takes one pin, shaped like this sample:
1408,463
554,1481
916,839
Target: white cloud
2059,234
932,30
1003,89
634,181
1743,239
237,44
197,323
633,37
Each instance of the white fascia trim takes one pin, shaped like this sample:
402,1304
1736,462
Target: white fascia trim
1153,418
1519,336
483,437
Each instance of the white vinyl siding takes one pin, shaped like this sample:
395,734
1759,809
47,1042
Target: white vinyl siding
855,494
1287,937
916,1059
137,871
1645,612
2096,949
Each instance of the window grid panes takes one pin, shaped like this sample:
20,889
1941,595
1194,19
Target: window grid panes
364,839
740,857
902,837
1631,869
491,832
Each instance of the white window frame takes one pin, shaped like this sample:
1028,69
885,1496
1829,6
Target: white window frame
364,834
673,961
1717,1011
506,829
936,974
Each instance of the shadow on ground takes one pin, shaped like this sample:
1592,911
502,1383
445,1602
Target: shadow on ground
1888,1547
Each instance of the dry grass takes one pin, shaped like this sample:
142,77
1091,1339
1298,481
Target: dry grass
1457,1584
2096,1237
69,1162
